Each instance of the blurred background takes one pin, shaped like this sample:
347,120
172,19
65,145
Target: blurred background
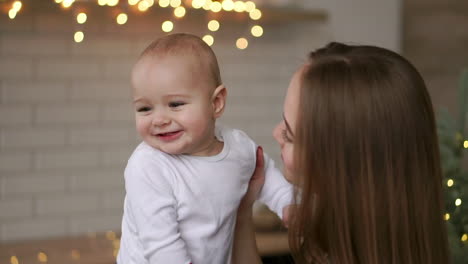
66,121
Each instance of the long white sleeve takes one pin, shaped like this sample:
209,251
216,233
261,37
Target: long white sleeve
276,192
152,205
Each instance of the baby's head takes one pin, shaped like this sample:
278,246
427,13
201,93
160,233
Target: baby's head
178,95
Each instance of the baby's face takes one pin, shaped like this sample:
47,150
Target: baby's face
173,106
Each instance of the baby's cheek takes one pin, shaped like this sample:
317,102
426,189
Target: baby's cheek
139,126
195,122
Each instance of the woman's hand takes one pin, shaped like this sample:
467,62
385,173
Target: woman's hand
245,247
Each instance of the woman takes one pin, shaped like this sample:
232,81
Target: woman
359,142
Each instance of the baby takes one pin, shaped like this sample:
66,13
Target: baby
186,179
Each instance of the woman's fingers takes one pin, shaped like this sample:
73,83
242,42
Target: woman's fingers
258,177
260,164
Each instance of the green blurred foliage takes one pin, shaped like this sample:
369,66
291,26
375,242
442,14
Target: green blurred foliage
453,142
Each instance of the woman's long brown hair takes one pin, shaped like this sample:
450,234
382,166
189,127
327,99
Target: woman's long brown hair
367,159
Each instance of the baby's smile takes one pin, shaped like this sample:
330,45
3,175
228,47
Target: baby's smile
169,136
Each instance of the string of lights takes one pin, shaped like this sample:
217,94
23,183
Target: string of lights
89,248
179,10
451,185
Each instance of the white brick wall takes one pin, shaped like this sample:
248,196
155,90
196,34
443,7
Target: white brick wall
27,137
33,91
16,67
35,45
67,204
18,208
33,183
69,158
11,115
66,125
15,161
33,228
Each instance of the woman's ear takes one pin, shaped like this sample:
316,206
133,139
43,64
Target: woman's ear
219,100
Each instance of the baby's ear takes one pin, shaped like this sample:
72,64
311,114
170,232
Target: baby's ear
219,100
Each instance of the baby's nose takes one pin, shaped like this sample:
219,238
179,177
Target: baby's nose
160,119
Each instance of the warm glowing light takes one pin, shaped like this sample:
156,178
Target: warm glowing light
112,2
257,31
143,6
67,3
150,2
42,257
81,18
458,202
179,11
122,18
167,26
12,14
242,43
198,3
116,243
133,2
102,2
464,238
164,3
110,235
228,5
216,7
207,5
213,25
17,6
249,6
75,254
255,14
447,216
79,36
58,1
14,260
450,183
176,3
239,6
208,39
465,144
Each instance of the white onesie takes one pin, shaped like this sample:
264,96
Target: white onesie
181,209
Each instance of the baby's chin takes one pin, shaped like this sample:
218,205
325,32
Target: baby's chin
167,150
289,176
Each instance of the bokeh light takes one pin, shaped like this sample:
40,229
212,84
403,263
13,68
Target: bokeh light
213,25
122,18
79,36
257,31
179,11
167,26
81,18
242,43
255,14
208,39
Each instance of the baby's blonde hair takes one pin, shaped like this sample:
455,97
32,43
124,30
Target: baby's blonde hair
183,44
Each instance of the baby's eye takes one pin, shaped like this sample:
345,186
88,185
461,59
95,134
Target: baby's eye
143,109
176,104
284,134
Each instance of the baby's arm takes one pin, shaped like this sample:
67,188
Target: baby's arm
277,193
153,207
